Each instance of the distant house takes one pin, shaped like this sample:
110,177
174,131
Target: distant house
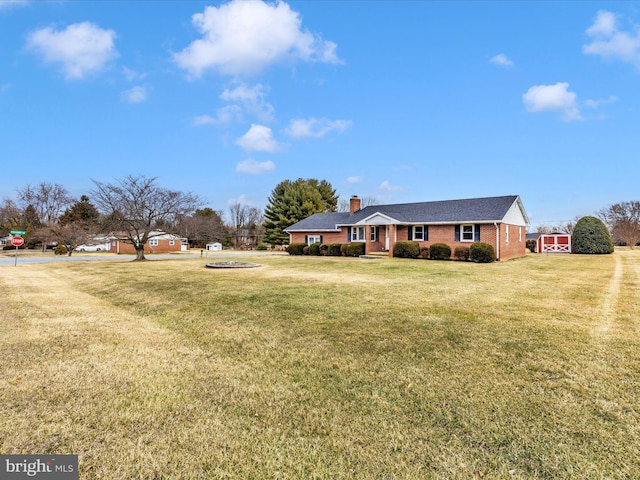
160,242
499,221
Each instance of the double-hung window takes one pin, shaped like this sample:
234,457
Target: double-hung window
311,239
357,234
374,233
153,242
418,232
466,233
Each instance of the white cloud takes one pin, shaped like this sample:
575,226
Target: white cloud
355,179
224,115
604,101
132,75
253,167
242,200
259,138
135,95
385,185
251,99
555,98
314,127
81,48
502,60
610,43
12,3
245,37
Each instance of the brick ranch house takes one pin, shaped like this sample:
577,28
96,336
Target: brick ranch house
160,242
499,221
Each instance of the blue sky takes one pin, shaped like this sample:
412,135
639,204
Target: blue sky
401,101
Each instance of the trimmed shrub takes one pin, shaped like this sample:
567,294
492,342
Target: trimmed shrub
324,249
482,253
439,251
591,236
355,249
314,249
335,250
305,250
296,248
532,245
461,254
60,250
408,249
262,246
343,249
424,253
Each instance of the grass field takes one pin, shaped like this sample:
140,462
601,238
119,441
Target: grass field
326,368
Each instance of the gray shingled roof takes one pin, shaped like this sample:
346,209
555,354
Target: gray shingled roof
478,210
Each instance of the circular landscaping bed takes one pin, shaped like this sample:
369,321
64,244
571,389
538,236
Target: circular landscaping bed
232,265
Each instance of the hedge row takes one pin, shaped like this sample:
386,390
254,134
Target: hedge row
478,252
354,249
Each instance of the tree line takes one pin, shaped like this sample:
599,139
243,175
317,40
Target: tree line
136,208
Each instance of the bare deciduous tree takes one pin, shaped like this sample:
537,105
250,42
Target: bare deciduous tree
48,199
623,220
138,208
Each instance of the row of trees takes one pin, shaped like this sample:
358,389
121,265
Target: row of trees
135,207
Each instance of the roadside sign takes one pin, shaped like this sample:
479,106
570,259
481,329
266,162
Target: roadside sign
18,232
17,241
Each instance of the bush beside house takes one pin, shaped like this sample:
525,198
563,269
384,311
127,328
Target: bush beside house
482,253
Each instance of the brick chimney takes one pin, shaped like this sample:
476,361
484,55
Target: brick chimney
354,204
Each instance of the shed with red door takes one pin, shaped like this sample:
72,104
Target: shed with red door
554,243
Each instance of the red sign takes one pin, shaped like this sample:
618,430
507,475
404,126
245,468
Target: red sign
17,241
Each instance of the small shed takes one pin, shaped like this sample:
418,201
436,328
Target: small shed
214,246
554,243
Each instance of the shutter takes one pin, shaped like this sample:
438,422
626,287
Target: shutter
320,238
476,233
409,235
457,233
306,240
426,232
348,234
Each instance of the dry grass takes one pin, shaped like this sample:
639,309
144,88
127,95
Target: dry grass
326,368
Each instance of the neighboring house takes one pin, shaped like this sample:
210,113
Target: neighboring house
499,221
4,241
160,242
216,246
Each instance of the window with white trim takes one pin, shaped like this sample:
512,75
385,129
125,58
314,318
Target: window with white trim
418,232
357,234
519,234
467,233
153,242
172,243
506,233
311,239
374,233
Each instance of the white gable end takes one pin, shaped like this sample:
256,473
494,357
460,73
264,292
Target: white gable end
377,219
515,215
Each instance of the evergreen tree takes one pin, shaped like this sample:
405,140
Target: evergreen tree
291,202
590,235
83,212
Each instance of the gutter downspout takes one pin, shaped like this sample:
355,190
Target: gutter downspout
497,240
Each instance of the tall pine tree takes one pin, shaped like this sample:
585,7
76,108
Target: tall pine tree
291,202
